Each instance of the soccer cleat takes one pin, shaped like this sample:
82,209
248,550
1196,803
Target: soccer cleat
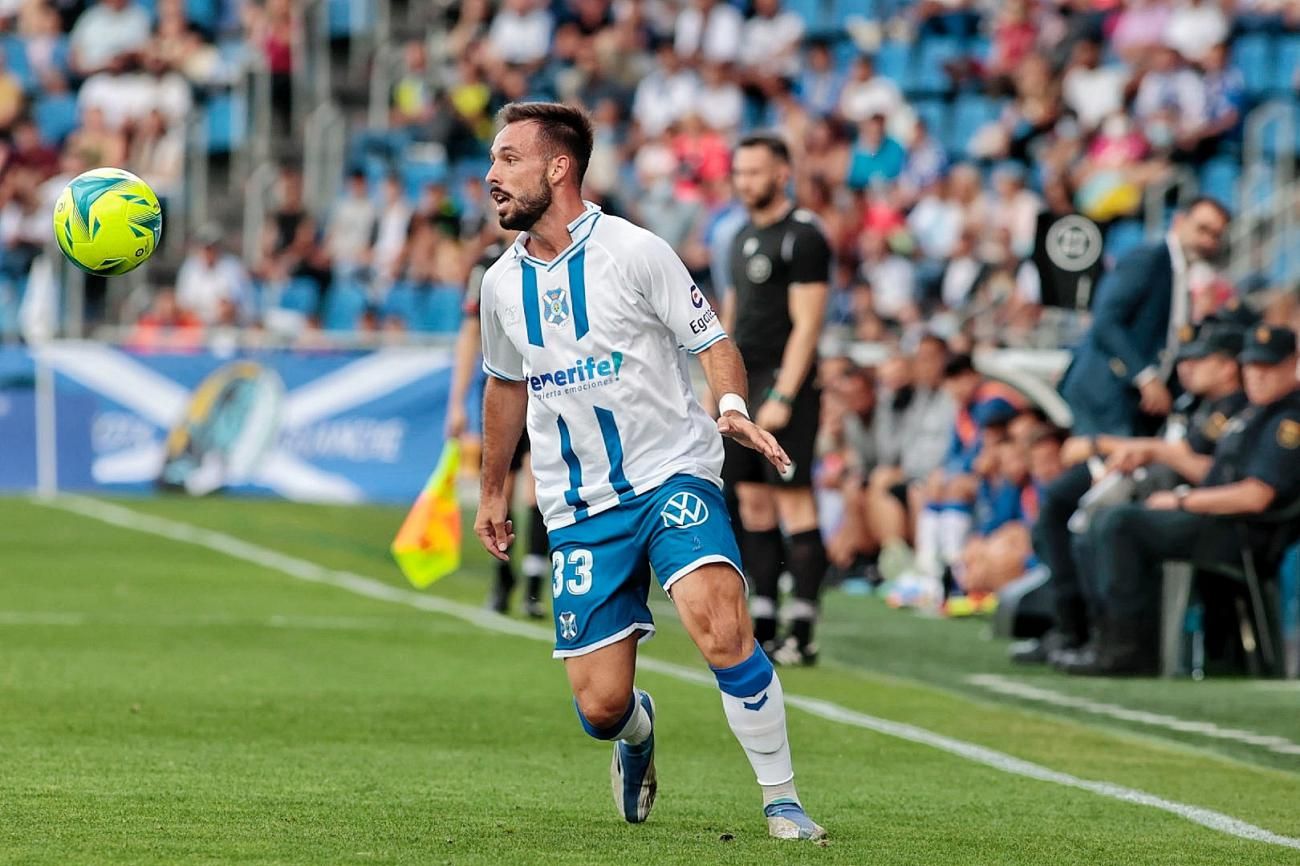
533,608
786,819
632,773
791,654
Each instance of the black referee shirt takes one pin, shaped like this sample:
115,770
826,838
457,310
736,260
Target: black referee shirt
764,263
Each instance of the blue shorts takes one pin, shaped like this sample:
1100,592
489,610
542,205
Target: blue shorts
600,566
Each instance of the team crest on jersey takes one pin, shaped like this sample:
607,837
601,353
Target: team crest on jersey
684,510
568,625
758,269
556,307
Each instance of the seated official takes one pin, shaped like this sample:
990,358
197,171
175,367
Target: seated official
1211,379
1255,469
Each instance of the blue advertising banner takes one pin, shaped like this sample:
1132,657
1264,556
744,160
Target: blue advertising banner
318,426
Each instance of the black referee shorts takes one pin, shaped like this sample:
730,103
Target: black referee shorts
798,438
521,451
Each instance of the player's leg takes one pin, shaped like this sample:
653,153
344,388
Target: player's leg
599,583
536,560
504,581
763,553
806,559
695,556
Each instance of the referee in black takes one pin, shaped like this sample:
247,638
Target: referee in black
780,268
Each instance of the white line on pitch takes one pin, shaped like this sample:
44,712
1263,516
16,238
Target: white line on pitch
372,588
1014,688
277,621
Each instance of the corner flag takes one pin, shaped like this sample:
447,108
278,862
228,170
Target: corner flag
427,547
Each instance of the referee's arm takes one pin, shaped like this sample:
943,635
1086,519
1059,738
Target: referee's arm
807,312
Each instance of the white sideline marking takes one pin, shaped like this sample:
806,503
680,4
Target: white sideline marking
1005,686
279,621
371,588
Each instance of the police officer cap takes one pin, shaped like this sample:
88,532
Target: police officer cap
1214,339
1268,344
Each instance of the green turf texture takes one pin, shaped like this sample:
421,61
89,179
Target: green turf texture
161,703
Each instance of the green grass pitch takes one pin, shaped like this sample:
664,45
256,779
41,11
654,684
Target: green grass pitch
161,703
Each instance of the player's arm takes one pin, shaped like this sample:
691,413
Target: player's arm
809,287
505,404
725,371
466,350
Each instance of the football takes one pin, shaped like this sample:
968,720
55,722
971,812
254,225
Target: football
107,221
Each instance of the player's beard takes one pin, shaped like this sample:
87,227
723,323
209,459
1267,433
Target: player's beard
527,208
764,200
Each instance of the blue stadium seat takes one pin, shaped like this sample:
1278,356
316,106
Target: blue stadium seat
970,114
813,13
1287,65
350,17
344,304
226,123
927,74
935,113
893,60
1253,53
441,311
842,10
1122,236
16,61
302,295
401,302
204,14
1219,179
56,116
417,174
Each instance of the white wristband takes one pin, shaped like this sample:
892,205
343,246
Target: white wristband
733,402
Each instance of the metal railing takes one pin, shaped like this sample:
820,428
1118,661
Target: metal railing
257,203
324,146
1182,183
1260,230
196,174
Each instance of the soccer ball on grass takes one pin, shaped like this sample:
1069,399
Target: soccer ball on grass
107,221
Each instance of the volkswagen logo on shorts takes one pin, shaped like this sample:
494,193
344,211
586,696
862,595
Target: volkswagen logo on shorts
684,510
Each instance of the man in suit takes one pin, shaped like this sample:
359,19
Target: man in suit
1118,380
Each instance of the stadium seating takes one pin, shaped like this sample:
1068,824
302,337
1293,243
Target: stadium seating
344,303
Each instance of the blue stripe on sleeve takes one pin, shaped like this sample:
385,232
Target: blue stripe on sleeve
571,496
614,448
715,339
532,313
578,292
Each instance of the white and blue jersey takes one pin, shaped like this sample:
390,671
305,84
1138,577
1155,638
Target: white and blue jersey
600,336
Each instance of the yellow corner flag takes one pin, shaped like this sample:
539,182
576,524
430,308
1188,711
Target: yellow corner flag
427,547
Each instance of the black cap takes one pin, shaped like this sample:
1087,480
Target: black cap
1268,344
1235,312
1214,339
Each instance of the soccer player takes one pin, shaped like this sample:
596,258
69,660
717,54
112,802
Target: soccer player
780,268
468,346
587,320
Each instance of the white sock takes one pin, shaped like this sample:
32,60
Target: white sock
954,526
928,540
761,732
638,727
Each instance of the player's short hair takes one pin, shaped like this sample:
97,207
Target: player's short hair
774,143
562,129
1209,201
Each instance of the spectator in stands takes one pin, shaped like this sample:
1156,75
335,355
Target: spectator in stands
1195,27
1139,28
12,100
916,423
24,224
1211,379
521,33
211,284
1014,34
720,102
709,30
350,227
1117,380
867,94
1092,91
289,241
31,152
875,156
166,326
892,278
820,83
666,94
1170,101
157,153
1015,208
1255,470
107,34
1225,105
926,163
770,42
272,30
390,237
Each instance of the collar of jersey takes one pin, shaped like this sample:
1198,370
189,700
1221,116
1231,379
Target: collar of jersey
580,229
